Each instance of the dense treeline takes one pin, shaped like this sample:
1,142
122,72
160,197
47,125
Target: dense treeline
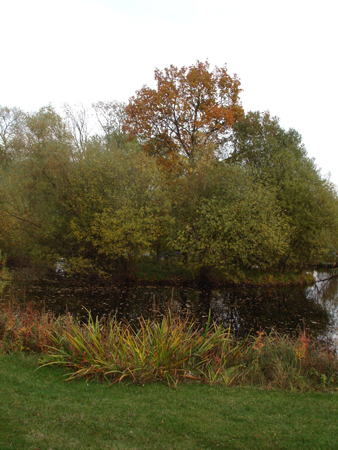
217,189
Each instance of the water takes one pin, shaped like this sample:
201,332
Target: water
245,310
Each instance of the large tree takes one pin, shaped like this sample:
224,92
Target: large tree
11,133
190,109
308,200
227,220
35,202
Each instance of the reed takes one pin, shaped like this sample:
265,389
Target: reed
172,349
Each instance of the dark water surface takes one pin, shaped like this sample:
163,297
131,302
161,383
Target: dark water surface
314,308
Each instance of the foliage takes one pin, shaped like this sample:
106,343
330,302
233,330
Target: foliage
25,328
190,109
308,201
111,116
174,349
286,363
233,222
121,207
35,188
170,348
258,137
11,133
238,190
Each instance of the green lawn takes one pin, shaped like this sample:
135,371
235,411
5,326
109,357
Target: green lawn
38,411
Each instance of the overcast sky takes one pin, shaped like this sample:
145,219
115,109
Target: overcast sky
284,52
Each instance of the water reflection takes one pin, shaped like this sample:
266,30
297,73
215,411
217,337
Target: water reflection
287,309
325,294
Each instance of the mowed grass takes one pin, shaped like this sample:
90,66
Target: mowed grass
39,411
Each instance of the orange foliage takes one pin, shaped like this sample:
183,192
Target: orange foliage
191,108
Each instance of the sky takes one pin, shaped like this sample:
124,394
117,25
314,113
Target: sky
284,53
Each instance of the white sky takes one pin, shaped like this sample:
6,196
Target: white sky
285,53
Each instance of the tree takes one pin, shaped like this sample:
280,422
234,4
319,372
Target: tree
121,209
257,137
78,123
229,222
35,201
191,108
11,133
309,202
110,116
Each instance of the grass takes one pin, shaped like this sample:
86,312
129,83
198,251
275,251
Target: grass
38,411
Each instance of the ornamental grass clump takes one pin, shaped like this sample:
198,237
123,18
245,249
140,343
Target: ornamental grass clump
172,349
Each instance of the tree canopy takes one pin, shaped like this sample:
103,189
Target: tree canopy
102,201
190,109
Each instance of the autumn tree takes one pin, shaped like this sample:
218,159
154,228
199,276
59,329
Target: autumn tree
190,108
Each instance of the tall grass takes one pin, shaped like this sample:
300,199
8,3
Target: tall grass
171,349
26,328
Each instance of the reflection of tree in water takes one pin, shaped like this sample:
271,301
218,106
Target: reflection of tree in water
286,310
244,310
325,293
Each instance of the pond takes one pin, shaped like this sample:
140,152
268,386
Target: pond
245,310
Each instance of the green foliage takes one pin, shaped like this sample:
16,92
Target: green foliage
12,127
122,210
225,219
35,188
102,204
169,350
175,349
308,201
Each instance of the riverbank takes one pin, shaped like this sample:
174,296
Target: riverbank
251,278
167,273
38,410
